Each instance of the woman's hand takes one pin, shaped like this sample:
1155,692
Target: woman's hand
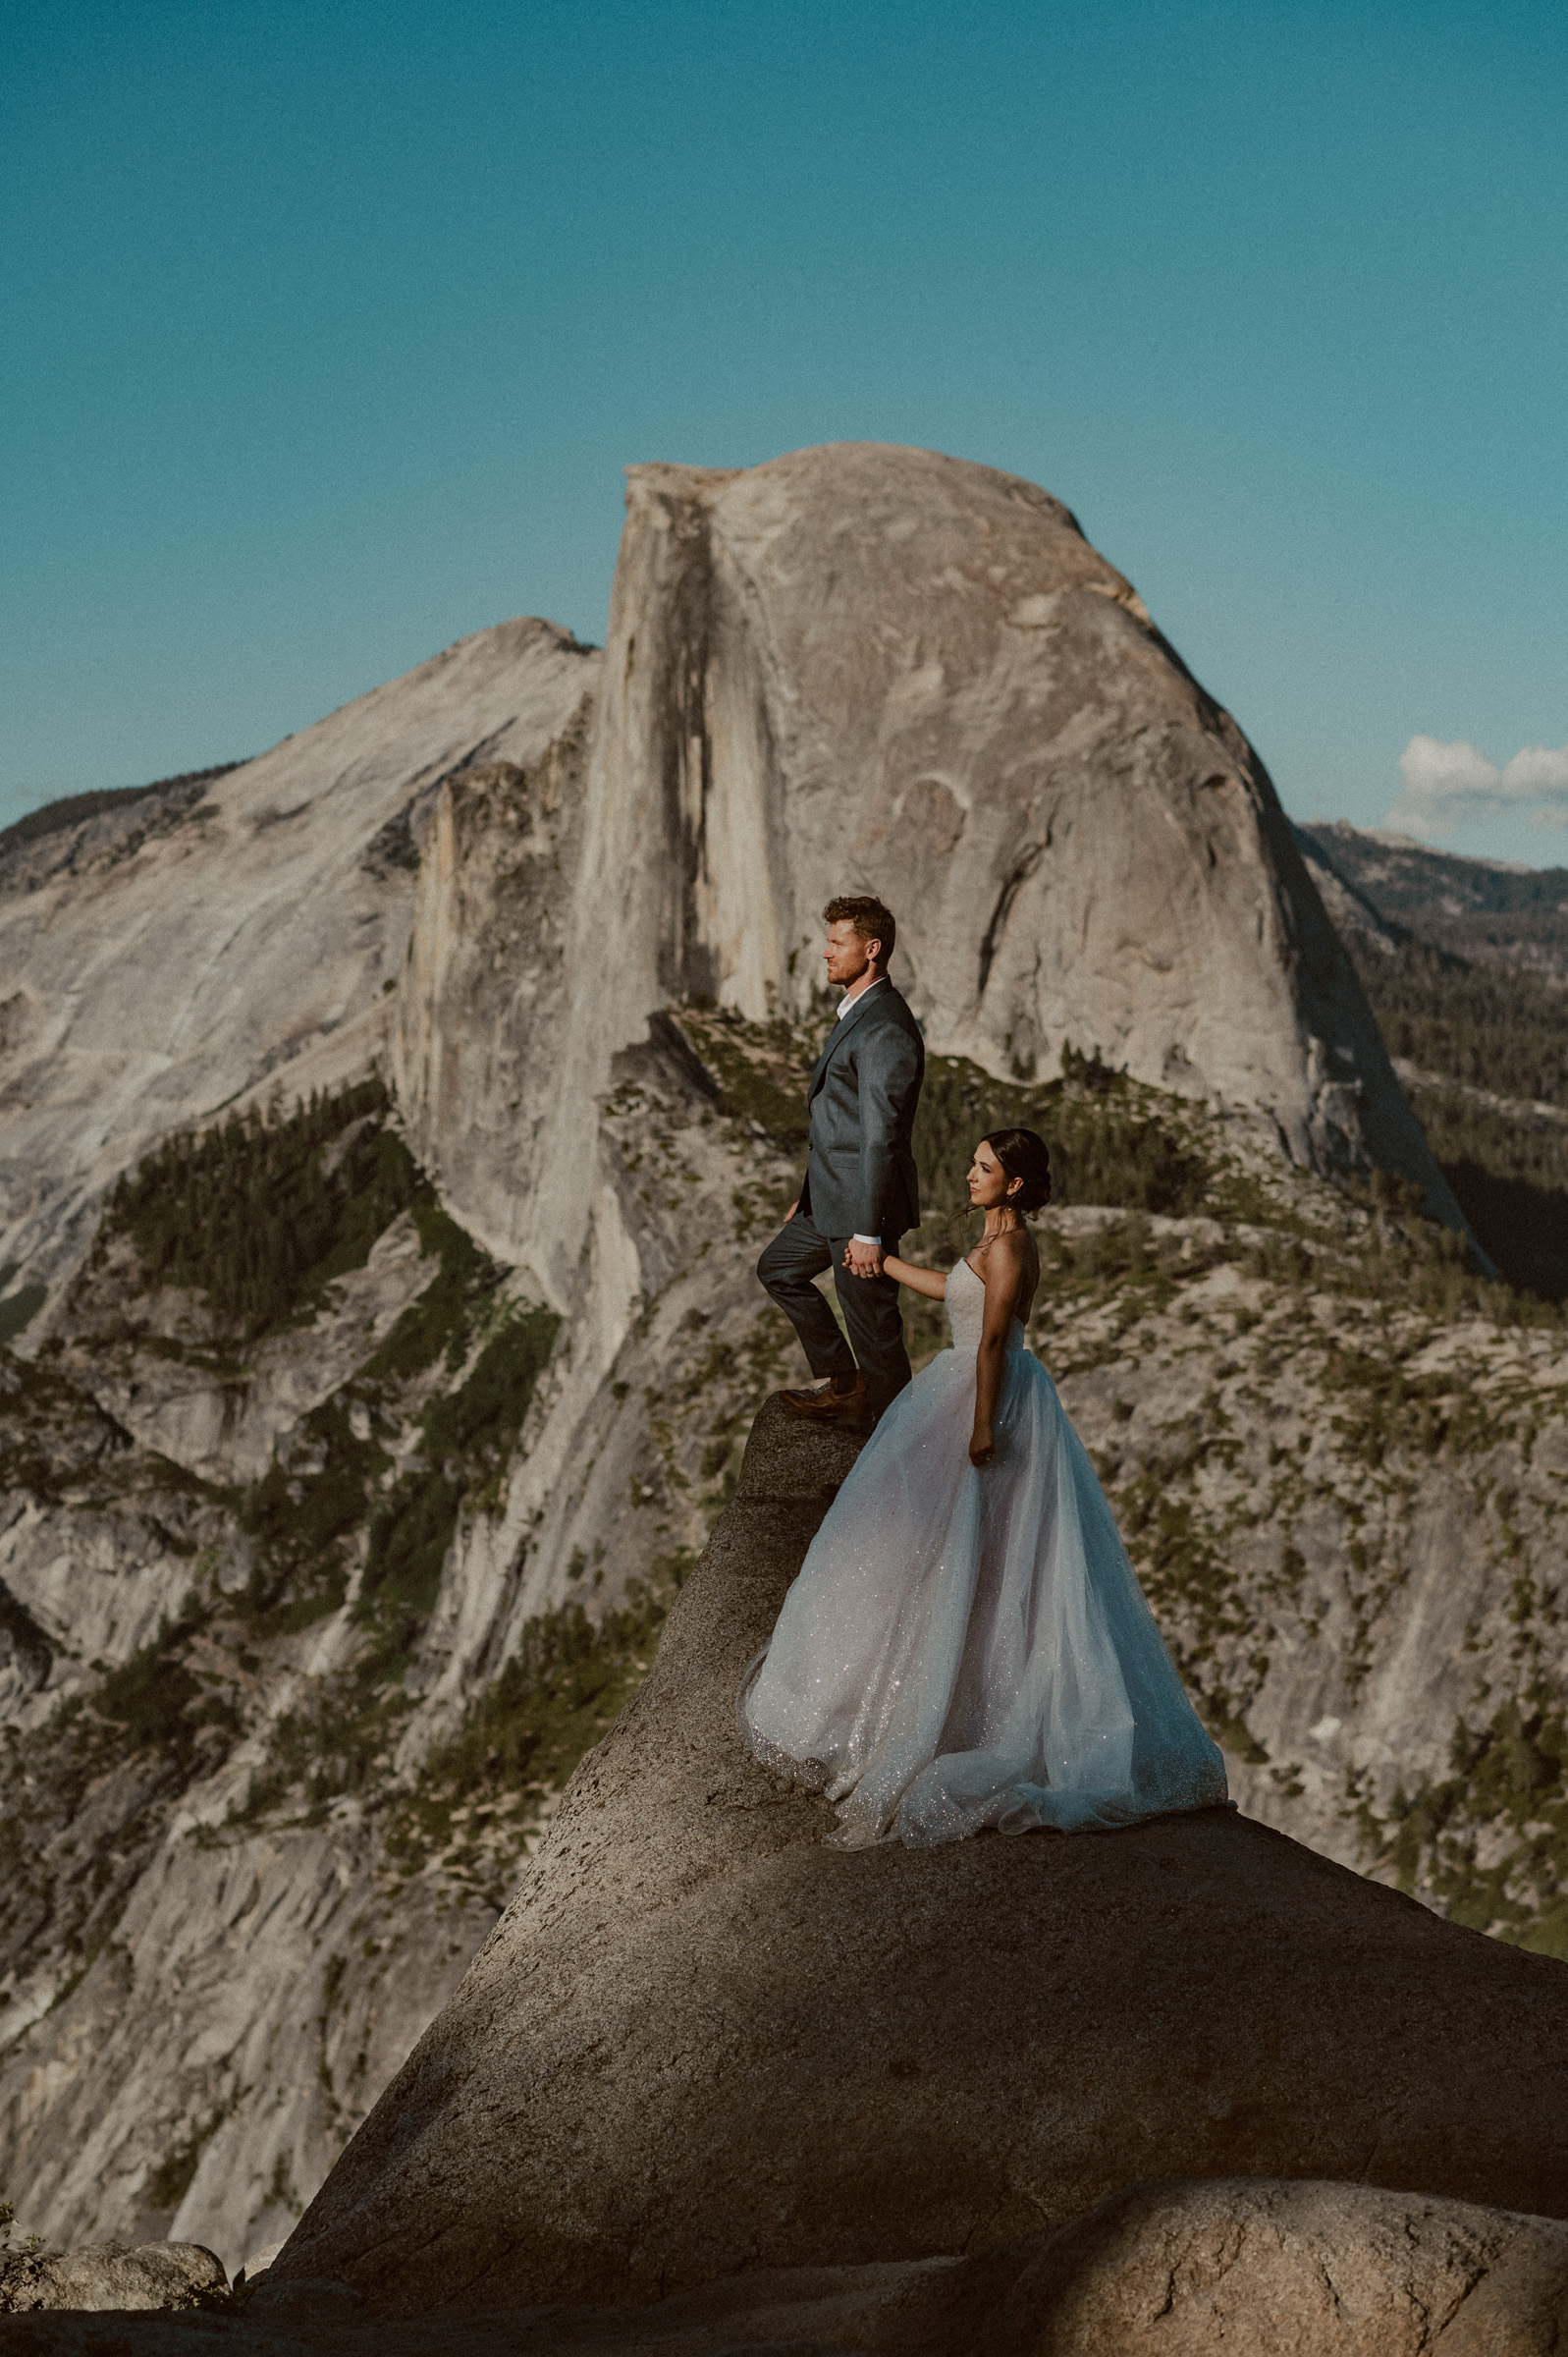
981,1446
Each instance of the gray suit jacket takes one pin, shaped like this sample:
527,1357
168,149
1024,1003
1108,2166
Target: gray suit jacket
860,1172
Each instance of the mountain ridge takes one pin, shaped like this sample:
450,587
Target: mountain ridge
1489,908
312,1594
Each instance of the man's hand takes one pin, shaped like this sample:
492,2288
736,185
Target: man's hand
791,1213
982,1446
862,1260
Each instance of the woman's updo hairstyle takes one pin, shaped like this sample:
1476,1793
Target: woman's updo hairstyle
1023,1154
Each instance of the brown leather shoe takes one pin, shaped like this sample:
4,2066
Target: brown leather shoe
840,1400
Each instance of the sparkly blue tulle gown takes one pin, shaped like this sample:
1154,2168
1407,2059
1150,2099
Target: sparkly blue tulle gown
968,1648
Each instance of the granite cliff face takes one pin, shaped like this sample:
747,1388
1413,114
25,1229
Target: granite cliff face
204,952
885,669
356,1451
163,962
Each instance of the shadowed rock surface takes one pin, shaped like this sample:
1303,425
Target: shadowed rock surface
698,2042
1159,2271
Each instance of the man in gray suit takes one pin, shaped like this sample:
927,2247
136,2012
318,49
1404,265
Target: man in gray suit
861,1191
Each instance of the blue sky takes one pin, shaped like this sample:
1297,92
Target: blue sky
328,330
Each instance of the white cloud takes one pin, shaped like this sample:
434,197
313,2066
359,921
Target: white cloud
1448,786
1539,773
1443,786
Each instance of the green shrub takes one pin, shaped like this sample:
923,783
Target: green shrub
440,1322
7,2227
305,1513
158,1705
1496,1030
1507,1777
763,1070
1108,1142
1492,1026
466,1439
336,1740
566,1684
1511,1173
250,1215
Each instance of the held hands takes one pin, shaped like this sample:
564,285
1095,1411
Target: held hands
981,1446
862,1260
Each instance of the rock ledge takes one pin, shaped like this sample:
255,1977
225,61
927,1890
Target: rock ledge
699,2043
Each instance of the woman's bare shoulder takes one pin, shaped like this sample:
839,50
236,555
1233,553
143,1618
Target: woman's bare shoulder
1007,1253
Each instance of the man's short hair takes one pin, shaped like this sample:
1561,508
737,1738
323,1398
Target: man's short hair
870,920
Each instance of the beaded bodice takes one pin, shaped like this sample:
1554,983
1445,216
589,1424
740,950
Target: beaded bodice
966,1310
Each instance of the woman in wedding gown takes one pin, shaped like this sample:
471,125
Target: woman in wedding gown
966,1644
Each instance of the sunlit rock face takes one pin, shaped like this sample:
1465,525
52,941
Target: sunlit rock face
876,669
170,956
487,985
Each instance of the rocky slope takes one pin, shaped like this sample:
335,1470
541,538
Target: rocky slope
1158,2270
699,2041
357,1443
1337,1458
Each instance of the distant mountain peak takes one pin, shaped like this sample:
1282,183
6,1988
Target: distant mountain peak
1480,909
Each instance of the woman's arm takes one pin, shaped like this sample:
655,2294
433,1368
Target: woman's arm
929,1282
1005,1266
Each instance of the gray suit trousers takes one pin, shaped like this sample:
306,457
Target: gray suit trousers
870,1306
